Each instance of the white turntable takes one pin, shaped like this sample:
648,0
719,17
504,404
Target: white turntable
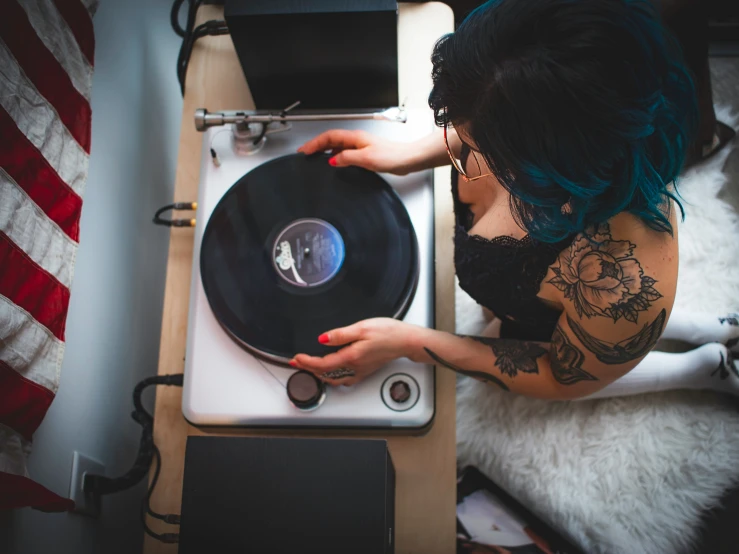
226,384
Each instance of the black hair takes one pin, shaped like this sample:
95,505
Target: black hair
585,102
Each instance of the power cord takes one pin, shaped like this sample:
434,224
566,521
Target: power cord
98,485
190,34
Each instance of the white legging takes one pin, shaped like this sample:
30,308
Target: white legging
705,367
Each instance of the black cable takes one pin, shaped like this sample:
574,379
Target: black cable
190,34
98,485
147,499
192,8
191,13
168,538
173,519
159,220
214,27
174,16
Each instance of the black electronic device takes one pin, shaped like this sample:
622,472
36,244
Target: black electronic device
283,496
328,54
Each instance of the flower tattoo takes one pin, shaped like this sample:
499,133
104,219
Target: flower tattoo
513,356
602,278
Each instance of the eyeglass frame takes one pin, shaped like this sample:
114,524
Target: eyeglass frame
462,172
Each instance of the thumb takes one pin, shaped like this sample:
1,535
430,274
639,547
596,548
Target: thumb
347,158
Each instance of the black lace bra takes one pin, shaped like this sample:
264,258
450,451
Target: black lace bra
504,274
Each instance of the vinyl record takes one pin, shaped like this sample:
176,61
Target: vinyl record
297,247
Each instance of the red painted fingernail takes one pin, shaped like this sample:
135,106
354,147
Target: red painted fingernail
332,161
323,339
293,363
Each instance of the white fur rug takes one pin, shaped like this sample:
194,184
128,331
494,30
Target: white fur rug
627,475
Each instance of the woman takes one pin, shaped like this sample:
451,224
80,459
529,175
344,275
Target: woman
688,21
567,123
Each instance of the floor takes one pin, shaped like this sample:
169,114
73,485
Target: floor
720,535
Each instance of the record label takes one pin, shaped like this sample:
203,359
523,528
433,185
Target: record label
308,252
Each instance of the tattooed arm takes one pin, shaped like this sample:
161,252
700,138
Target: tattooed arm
564,368
616,286
512,365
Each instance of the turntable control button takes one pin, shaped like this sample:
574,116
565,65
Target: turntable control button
304,390
400,392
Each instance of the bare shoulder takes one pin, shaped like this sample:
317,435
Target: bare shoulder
620,270
616,283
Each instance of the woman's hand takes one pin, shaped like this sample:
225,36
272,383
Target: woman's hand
370,344
364,150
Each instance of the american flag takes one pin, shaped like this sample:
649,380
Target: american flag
46,64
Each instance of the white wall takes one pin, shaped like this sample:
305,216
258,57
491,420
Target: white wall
117,295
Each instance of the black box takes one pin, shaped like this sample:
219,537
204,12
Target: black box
280,496
329,54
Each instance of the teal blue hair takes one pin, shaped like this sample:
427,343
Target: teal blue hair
581,102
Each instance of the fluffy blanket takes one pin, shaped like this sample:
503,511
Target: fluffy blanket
629,474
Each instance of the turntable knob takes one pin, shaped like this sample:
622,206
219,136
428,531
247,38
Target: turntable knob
305,390
400,392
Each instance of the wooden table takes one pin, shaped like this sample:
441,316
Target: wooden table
425,466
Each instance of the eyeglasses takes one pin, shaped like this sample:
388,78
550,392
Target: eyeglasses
458,164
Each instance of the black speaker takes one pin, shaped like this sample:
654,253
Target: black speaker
287,496
329,54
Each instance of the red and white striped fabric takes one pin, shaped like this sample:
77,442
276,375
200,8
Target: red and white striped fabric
46,63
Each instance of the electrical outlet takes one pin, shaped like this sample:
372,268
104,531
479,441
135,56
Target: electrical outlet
84,503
